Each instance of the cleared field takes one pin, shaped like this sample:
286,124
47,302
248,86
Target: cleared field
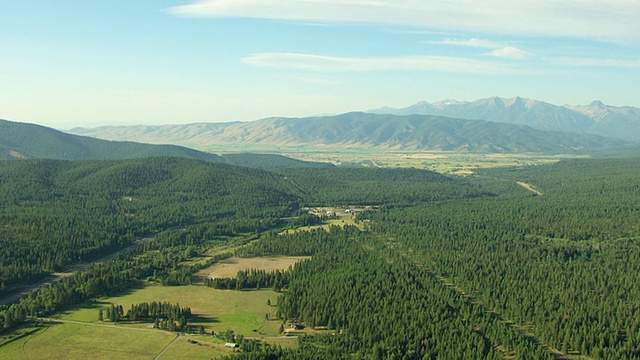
344,219
76,341
228,268
459,163
80,335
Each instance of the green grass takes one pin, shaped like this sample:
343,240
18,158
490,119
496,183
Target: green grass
202,348
342,221
218,310
77,341
241,311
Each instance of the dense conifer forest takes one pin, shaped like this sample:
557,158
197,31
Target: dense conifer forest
441,267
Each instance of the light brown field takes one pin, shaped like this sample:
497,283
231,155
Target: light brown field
424,156
228,268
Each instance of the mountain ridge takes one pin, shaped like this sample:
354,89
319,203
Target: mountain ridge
31,141
359,129
621,122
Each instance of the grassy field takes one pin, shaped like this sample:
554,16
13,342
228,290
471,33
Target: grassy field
343,219
78,334
78,341
230,267
440,161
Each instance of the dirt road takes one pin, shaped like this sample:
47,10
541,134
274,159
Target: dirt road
22,291
529,187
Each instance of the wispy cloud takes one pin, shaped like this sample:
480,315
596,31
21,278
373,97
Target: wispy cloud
473,42
499,49
599,62
509,52
610,20
312,62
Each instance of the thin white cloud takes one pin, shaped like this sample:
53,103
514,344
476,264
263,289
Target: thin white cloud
312,62
608,20
509,52
498,49
473,42
599,63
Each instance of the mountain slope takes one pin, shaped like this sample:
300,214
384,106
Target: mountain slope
595,118
21,140
411,132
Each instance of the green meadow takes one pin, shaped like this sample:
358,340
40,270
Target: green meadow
79,334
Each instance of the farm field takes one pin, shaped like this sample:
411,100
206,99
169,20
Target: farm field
228,268
78,334
82,341
440,161
344,219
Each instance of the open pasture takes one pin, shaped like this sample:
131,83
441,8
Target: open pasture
345,217
78,334
448,162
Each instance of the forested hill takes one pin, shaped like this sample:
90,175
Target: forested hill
376,186
353,130
54,213
22,140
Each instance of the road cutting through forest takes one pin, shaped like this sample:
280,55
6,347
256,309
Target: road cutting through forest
530,188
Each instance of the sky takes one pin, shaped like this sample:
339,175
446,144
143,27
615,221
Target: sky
79,63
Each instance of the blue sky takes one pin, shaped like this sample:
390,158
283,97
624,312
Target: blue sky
67,63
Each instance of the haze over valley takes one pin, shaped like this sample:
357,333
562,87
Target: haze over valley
491,125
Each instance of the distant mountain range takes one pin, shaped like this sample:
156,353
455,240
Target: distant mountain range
595,118
29,141
353,130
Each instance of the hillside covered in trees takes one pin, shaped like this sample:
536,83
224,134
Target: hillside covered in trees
440,267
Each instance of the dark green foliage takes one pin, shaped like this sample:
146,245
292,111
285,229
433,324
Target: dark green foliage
380,305
57,213
566,262
372,186
165,316
448,268
252,279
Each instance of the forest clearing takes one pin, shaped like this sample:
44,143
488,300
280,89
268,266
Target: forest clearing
79,334
228,268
